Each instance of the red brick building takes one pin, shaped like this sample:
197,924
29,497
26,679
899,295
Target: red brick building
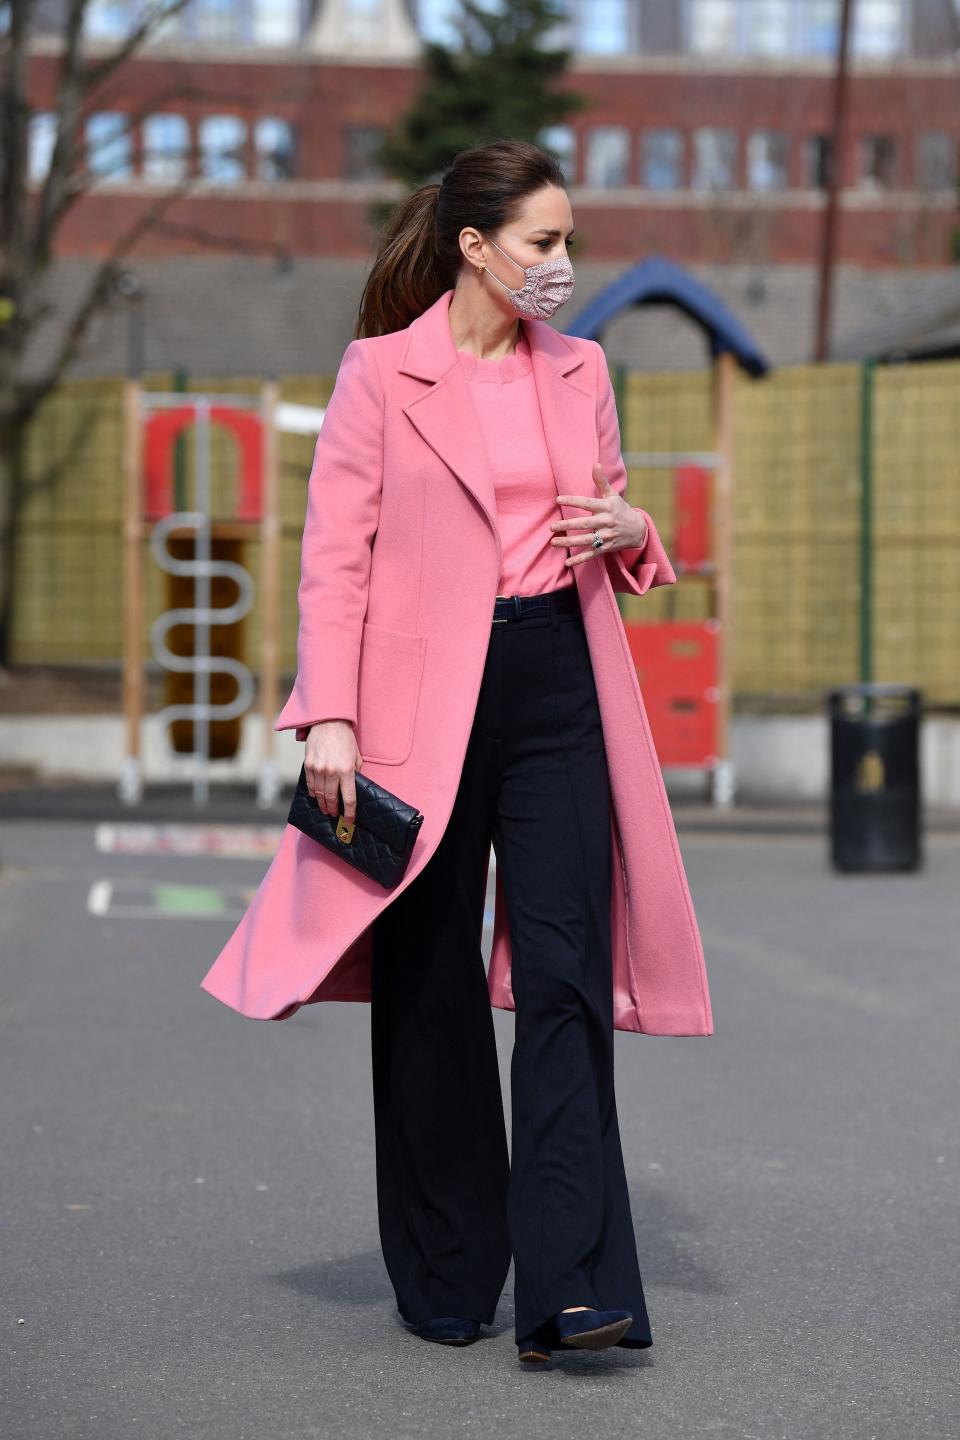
705,138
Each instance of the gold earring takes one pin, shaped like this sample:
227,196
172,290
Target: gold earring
481,267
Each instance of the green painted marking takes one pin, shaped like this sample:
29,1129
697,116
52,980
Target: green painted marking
189,899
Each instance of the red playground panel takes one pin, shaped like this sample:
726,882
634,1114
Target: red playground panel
161,431
677,669
691,539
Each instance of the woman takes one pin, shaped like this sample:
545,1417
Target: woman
460,642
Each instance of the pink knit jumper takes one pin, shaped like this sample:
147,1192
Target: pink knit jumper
505,398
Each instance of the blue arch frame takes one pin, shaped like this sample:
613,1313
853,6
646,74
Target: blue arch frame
659,281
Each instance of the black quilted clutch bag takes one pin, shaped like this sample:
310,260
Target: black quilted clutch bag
380,841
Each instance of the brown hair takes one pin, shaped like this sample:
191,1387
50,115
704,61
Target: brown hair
419,255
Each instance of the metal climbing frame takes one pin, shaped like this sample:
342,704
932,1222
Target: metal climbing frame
153,421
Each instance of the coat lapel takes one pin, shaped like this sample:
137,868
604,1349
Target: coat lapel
444,415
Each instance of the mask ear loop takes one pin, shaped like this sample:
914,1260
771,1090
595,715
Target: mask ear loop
520,267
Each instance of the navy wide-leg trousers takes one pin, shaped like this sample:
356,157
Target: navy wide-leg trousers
453,1203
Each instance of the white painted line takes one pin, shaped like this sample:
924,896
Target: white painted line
98,900
229,842
133,898
148,912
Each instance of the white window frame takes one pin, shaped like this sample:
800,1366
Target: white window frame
41,139
162,165
642,157
262,153
796,45
567,154
237,156
619,130
122,138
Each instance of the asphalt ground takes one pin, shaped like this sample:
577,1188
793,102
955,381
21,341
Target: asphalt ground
190,1241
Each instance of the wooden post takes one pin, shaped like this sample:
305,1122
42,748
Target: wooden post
270,568
133,677
724,381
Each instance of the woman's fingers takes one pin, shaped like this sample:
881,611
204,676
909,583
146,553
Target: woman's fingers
327,794
331,756
348,789
582,529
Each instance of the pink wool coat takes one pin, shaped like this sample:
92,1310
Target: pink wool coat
400,566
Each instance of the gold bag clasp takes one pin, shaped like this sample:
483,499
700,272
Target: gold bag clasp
871,773
345,831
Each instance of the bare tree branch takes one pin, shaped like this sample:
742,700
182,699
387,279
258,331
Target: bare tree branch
69,101
98,71
97,291
82,178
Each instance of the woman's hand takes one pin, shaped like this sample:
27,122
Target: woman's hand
619,525
330,759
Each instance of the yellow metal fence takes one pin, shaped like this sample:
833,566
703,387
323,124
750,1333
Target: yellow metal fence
811,445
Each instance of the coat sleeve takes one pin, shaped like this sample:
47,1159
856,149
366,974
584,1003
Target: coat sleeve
633,570
303,731
342,513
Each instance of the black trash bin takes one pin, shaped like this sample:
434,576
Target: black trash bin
875,807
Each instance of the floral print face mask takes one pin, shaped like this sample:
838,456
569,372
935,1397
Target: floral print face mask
545,288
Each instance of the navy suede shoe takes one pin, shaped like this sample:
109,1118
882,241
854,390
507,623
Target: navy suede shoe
533,1351
592,1329
449,1330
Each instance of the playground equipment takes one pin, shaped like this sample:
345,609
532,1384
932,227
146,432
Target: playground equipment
684,668
153,422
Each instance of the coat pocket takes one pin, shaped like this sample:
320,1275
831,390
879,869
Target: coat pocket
388,691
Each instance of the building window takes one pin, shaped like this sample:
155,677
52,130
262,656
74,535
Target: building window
222,142
593,27
41,138
878,162
795,27
562,140
662,160
108,19
715,159
608,157
218,20
767,156
166,147
360,146
821,27
879,28
602,27
935,162
766,29
275,143
108,145
713,27
275,22
817,155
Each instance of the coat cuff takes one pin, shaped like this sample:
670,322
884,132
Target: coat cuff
636,570
302,731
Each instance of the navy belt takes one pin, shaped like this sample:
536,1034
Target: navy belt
564,600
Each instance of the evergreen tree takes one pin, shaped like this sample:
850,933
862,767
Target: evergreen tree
498,85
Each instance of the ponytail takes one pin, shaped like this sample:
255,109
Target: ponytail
407,276
419,256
